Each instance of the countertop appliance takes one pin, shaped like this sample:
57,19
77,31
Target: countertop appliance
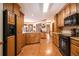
72,20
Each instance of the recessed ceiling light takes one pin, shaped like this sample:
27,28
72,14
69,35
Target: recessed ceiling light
45,7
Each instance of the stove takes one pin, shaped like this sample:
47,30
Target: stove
64,45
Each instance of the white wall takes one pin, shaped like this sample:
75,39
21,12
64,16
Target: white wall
1,28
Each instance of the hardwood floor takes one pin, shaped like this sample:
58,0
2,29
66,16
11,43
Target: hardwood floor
44,48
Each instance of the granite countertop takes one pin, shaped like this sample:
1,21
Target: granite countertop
75,38
59,33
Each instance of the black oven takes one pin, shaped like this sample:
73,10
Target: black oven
64,45
72,20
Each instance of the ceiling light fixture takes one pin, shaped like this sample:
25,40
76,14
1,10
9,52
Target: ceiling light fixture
45,7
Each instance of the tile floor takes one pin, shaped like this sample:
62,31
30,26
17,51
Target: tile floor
44,48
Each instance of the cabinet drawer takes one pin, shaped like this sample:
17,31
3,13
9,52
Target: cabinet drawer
74,50
75,42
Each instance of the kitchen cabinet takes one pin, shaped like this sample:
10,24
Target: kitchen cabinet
56,39
67,11
18,43
73,8
55,30
16,9
61,19
8,6
74,47
11,19
32,38
11,46
55,23
19,24
23,40
43,35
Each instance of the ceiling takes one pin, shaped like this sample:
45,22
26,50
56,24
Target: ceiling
34,11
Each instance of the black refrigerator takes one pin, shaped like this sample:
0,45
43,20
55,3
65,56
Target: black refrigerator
9,31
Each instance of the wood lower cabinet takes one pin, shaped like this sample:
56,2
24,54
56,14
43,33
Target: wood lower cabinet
32,38
42,35
56,39
74,50
74,47
55,30
11,46
23,40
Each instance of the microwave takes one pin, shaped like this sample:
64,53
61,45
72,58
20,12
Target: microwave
72,20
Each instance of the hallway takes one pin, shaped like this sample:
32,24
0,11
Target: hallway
44,48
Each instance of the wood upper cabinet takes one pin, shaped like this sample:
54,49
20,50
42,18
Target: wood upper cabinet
22,19
8,6
55,23
16,9
67,11
11,19
61,19
73,8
